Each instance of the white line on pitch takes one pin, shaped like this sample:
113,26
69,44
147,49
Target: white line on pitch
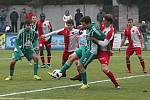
66,86
57,56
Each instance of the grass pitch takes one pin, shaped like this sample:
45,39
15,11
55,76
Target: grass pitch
23,87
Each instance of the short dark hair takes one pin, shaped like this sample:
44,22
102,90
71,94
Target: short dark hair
86,19
109,18
70,21
28,22
130,19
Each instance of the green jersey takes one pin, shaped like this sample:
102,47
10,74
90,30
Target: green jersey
26,39
94,31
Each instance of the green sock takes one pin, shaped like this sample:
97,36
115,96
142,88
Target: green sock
35,68
65,67
11,70
84,78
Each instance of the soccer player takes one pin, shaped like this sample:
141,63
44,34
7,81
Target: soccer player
71,40
43,27
105,49
25,44
136,44
85,53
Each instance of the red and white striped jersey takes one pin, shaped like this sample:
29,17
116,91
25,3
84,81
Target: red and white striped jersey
71,38
109,32
133,35
43,27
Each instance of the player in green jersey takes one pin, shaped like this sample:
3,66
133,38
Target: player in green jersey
85,53
25,44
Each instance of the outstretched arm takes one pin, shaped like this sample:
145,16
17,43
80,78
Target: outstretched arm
51,33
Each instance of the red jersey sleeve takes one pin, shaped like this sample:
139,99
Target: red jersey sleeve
63,32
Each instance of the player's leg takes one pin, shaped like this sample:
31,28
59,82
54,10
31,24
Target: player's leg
69,62
78,76
48,49
141,59
71,58
35,59
84,61
80,52
30,54
129,52
64,59
104,58
42,56
15,57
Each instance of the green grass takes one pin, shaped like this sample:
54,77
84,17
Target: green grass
22,81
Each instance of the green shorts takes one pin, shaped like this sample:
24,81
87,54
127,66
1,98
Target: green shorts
28,53
85,55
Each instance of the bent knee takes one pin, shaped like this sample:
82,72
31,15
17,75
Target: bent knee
105,68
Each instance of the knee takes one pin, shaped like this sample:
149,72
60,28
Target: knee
35,58
71,58
105,68
13,62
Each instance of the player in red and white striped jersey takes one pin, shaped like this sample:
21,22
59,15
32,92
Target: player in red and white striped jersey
71,39
43,26
136,44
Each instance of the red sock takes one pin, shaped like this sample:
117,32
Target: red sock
142,64
113,79
128,66
42,59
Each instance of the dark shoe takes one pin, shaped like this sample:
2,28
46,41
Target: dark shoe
43,66
77,77
64,75
144,71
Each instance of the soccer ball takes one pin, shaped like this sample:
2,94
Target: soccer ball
56,74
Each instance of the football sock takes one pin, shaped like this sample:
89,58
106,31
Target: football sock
142,64
128,66
65,67
111,76
35,68
11,69
48,58
84,77
42,59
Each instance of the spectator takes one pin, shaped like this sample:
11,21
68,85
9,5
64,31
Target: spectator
66,16
3,16
143,27
100,16
78,16
14,19
22,17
